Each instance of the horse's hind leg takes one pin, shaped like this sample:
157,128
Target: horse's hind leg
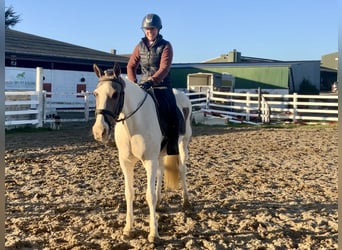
160,174
127,169
183,157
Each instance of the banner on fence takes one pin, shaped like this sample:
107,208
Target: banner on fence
20,79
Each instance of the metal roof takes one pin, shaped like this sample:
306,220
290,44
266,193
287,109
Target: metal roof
240,64
27,50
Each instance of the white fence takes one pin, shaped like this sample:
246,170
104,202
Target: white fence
266,108
35,108
23,107
75,107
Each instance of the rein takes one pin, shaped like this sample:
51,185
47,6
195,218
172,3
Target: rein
132,113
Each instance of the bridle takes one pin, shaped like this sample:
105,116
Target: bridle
119,104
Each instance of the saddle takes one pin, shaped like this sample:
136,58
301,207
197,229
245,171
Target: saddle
162,122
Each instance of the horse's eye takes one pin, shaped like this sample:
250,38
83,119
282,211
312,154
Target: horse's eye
95,93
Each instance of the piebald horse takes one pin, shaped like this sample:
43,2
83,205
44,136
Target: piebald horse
128,111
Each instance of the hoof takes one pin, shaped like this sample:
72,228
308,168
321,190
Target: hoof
154,239
126,236
186,204
157,205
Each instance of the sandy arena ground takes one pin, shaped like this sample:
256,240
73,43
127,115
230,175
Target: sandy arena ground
250,188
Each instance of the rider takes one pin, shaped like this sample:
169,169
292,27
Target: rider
154,55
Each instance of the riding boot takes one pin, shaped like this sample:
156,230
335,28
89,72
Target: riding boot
172,146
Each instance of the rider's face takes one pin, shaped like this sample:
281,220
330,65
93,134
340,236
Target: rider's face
151,33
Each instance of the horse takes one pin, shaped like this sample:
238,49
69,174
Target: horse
129,112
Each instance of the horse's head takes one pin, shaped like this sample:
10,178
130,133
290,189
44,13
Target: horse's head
109,94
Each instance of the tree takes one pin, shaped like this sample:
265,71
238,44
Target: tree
11,19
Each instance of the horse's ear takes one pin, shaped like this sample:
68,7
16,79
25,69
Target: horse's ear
117,70
97,71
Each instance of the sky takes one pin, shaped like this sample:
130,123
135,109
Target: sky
198,30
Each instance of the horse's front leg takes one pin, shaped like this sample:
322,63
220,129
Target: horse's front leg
127,169
151,167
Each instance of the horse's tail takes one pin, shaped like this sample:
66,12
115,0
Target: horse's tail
171,171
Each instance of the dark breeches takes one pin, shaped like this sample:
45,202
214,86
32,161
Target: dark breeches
168,110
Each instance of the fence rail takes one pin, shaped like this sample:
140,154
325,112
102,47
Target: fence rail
36,108
22,107
75,107
267,108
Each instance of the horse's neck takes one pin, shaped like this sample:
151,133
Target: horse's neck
133,97
139,108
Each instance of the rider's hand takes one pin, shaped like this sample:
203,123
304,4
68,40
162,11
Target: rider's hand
146,85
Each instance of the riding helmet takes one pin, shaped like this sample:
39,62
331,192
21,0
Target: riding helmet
151,21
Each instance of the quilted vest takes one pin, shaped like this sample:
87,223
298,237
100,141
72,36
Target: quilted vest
150,59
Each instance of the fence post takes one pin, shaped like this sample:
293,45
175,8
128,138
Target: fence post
295,99
262,109
44,105
39,90
86,106
208,99
248,104
259,104
266,111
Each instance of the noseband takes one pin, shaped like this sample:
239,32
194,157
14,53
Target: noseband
118,108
